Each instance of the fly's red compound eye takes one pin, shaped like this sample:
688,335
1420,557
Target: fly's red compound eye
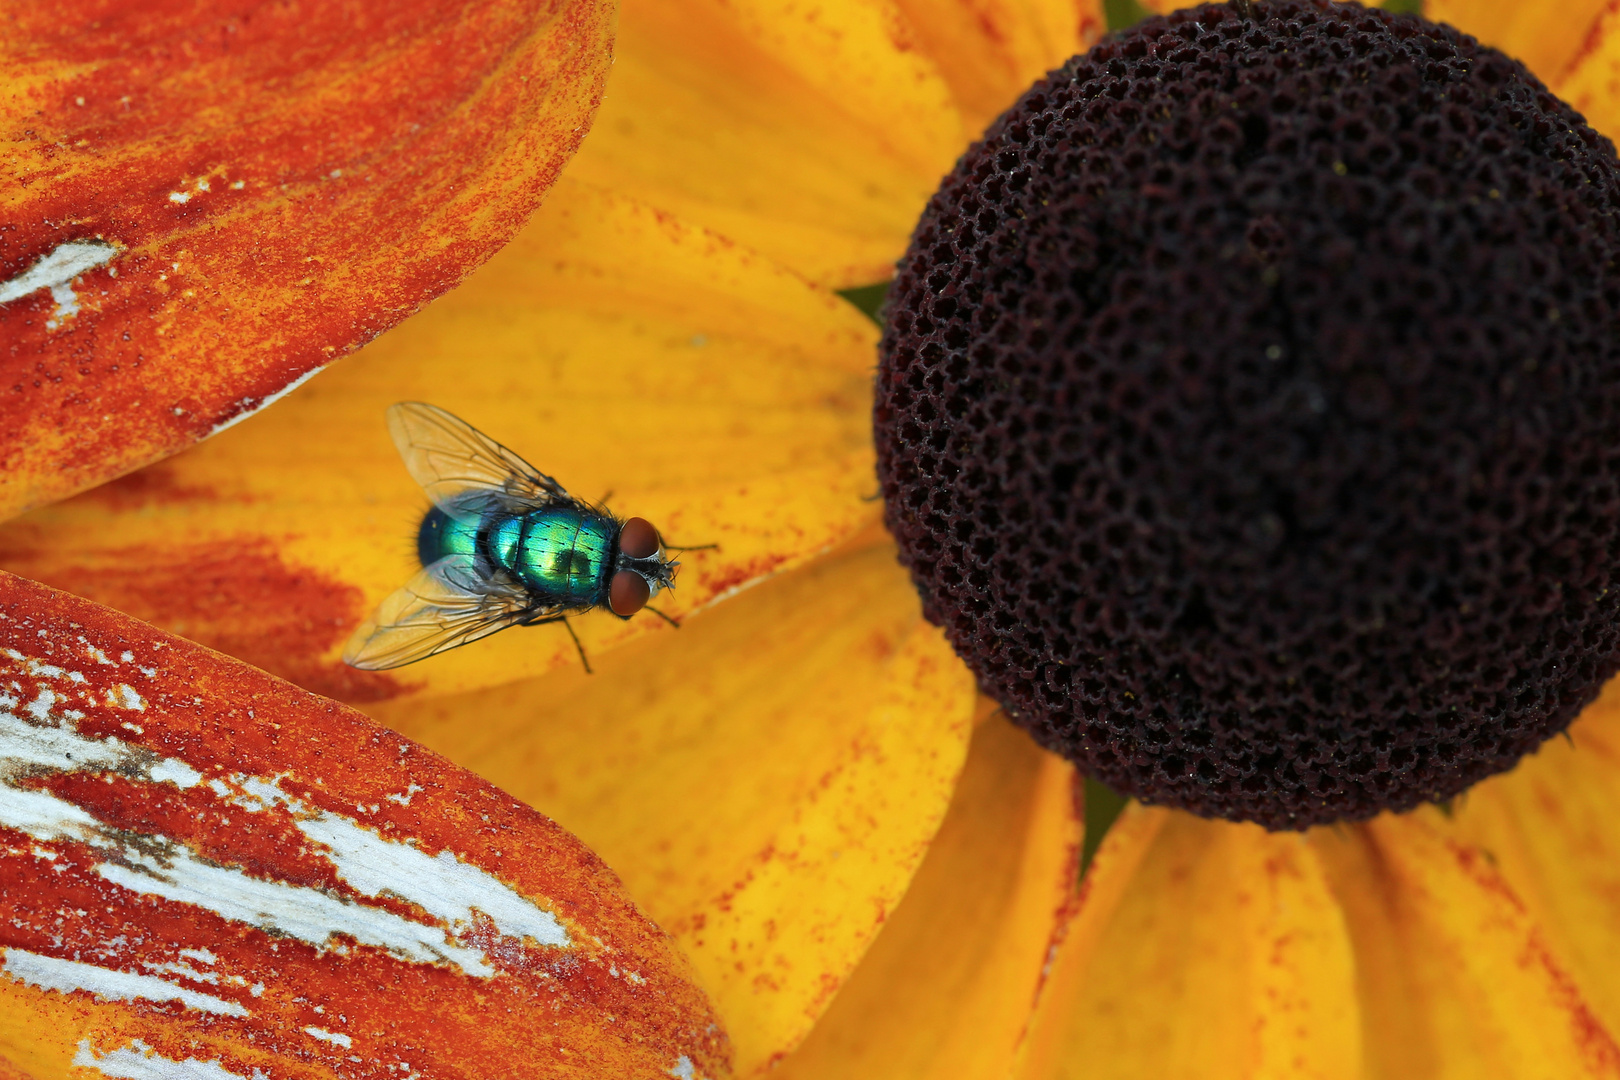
629,592
639,540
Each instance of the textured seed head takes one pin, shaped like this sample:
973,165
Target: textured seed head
1248,409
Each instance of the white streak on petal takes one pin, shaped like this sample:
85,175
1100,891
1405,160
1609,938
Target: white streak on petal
40,707
58,268
290,910
138,1062
44,816
67,302
25,744
176,772
185,971
442,885
54,973
329,1036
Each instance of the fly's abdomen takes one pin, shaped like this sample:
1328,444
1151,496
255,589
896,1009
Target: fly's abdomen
441,535
563,553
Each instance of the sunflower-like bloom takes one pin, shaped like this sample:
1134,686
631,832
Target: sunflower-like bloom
870,871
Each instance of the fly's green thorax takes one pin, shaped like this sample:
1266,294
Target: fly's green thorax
564,552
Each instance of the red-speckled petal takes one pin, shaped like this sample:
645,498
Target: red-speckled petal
206,200
1549,38
1455,974
946,990
812,132
206,872
1552,828
990,51
1201,949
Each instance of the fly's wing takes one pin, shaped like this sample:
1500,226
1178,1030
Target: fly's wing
443,606
461,469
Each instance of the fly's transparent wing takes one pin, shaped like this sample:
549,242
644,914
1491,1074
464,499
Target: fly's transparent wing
462,469
443,606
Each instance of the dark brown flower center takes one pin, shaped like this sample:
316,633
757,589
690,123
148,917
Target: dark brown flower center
1249,411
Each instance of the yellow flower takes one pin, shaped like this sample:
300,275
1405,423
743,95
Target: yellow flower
866,881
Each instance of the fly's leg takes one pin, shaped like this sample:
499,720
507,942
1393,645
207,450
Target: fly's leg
569,627
661,615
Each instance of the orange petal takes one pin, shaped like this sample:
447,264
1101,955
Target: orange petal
1551,828
207,202
991,51
1164,7
1548,38
1201,949
1590,77
766,780
1454,975
207,872
811,132
946,990
618,350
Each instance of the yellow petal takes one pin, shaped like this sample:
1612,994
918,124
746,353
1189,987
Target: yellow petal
208,873
1548,38
1221,954
811,132
1551,827
945,992
765,781
1455,977
1046,1050
618,350
243,193
991,51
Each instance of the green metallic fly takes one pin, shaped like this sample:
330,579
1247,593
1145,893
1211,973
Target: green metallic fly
504,545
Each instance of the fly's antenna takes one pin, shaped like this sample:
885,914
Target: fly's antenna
661,615
569,627
693,547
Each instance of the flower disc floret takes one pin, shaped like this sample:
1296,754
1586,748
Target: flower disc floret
1248,407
